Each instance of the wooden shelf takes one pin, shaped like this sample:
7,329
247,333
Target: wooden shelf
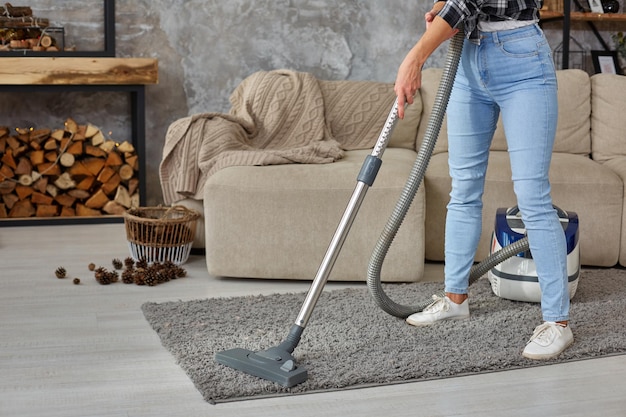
584,17
78,71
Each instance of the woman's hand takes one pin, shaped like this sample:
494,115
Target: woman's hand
409,77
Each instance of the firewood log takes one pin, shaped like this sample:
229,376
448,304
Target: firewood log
67,212
113,159
10,200
49,168
79,169
23,192
58,135
3,212
40,183
97,139
7,187
44,210
65,181
51,156
133,186
94,165
97,200
79,194
122,197
37,157
84,211
8,160
126,172
105,174
86,183
126,147
24,167
76,148
22,208
13,142
65,200
25,180
38,135
91,131
6,172
67,160
95,151
39,198
133,161
70,125
52,189
111,185
108,146
111,207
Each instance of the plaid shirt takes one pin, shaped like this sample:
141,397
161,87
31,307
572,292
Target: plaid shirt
470,12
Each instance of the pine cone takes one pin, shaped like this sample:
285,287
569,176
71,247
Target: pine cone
113,276
128,276
105,277
180,272
60,272
142,263
139,276
117,264
129,263
151,277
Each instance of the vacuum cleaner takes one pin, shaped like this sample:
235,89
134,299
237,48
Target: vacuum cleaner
516,278
277,363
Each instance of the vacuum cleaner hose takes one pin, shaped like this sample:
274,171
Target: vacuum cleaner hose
410,189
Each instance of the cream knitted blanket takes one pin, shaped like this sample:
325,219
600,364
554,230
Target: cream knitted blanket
277,117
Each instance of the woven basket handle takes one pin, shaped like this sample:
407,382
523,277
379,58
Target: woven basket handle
187,212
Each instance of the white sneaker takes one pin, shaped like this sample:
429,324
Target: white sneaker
442,308
548,341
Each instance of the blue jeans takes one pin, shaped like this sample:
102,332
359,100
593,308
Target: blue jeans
509,72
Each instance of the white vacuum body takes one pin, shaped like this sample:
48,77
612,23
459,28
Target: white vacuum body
516,278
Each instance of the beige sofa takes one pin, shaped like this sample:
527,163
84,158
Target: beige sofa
277,221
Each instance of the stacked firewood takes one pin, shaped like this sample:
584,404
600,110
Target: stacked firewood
19,30
73,171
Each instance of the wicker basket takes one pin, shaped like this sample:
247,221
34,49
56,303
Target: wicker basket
160,234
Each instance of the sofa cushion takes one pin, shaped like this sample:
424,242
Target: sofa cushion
618,165
572,127
369,103
277,221
578,184
608,123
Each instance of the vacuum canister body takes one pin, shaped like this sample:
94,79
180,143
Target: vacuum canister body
516,278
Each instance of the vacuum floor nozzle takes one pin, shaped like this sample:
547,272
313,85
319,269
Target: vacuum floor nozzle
274,364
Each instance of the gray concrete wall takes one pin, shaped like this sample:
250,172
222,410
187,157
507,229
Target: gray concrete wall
205,48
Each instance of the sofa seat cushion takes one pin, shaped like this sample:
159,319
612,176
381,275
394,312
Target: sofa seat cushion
608,124
578,183
277,221
618,165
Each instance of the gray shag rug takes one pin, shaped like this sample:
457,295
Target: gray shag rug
350,343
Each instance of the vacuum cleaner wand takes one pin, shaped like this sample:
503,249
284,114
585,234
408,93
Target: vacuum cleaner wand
277,363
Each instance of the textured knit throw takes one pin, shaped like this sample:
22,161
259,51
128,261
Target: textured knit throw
277,117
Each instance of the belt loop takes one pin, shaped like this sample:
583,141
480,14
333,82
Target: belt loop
494,37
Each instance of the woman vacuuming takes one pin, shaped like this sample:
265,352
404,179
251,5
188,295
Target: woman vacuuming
506,69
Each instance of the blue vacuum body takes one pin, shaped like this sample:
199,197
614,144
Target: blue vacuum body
516,278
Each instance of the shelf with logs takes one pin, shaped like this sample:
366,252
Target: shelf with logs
73,174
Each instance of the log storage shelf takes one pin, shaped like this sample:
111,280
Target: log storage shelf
50,188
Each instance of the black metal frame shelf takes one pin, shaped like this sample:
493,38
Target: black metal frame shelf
567,16
109,41
138,133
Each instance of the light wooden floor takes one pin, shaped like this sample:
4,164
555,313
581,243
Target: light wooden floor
86,350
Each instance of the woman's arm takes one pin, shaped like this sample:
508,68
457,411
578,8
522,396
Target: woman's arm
409,77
